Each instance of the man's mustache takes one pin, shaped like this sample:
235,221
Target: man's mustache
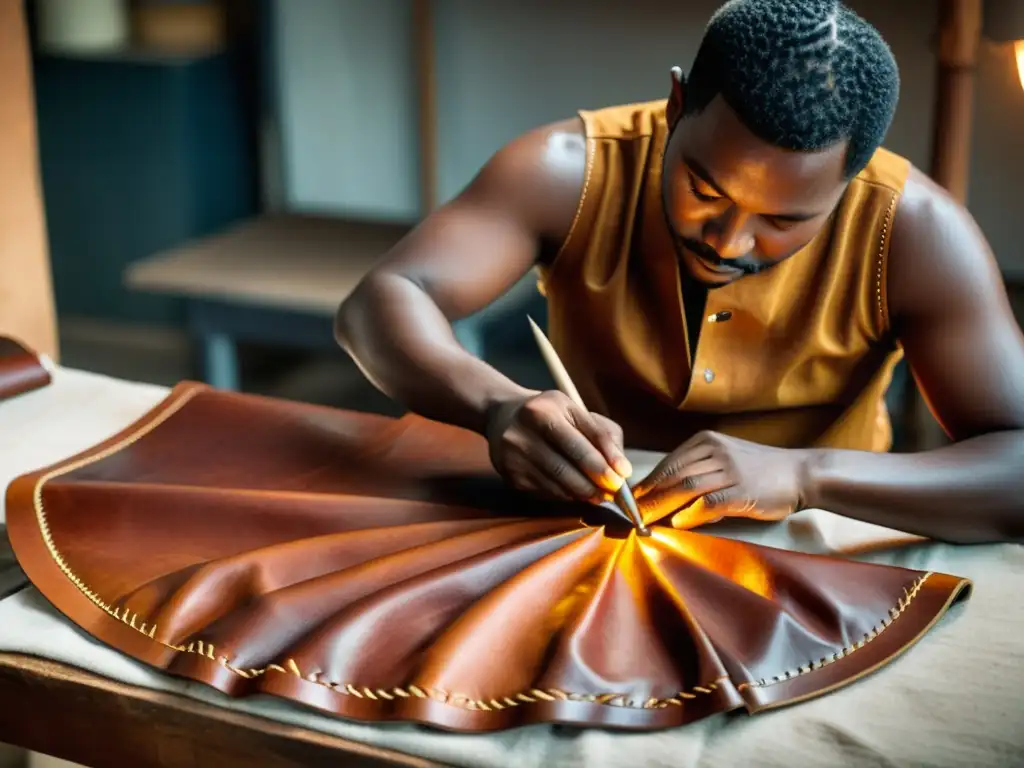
746,264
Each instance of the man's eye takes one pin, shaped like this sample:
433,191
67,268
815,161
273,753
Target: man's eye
701,191
780,224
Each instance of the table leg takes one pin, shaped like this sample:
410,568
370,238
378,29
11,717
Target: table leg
219,361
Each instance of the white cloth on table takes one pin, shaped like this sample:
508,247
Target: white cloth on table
953,700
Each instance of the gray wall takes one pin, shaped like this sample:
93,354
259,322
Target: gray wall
347,98
348,108
996,194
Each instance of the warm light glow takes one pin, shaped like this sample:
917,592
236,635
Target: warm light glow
696,514
732,560
1019,47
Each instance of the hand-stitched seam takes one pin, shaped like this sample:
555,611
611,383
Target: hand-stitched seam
878,629
880,269
44,526
452,698
535,695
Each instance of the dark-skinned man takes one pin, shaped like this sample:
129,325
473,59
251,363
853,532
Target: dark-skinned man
731,276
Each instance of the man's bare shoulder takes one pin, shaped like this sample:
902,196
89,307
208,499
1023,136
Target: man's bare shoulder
538,176
923,196
937,251
925,211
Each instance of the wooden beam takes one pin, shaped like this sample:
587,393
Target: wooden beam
426,92
959,36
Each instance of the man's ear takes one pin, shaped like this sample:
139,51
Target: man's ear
674,111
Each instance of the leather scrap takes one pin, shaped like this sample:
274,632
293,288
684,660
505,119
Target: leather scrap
20,369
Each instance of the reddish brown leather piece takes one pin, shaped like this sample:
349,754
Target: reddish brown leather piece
379,570
20,369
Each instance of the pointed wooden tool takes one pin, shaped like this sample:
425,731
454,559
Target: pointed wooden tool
624,496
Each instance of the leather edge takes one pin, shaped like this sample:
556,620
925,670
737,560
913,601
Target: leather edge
939,592
45,573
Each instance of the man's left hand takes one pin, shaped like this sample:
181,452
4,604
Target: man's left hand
726,477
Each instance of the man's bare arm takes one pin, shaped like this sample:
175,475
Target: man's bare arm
397,323
951,313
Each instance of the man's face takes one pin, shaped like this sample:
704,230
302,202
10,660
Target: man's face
738,205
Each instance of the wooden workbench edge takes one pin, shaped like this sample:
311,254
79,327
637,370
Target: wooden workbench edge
59,710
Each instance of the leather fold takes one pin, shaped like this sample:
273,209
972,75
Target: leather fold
379,570
21,370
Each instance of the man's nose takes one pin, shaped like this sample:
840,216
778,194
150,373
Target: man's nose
729,235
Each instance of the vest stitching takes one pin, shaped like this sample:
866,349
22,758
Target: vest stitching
880,271
583,197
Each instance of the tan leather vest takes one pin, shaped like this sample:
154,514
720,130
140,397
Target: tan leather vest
807,354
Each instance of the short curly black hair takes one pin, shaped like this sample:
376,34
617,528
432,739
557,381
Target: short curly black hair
801,74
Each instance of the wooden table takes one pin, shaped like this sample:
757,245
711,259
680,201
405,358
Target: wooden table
275,279
74,715
279,280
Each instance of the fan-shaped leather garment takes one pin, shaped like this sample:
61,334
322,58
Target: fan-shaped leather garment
378,569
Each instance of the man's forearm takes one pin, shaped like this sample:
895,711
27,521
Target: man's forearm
405,347
968,492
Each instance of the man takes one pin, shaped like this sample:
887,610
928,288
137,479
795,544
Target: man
731,277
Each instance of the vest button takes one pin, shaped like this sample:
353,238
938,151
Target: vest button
720,317
709,375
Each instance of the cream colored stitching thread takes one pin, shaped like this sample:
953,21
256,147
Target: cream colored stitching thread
207,650
878,629
44,526
880,270
463,701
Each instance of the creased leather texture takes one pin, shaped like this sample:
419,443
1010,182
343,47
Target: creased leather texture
20,369
378,569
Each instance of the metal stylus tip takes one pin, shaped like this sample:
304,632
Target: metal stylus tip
628,505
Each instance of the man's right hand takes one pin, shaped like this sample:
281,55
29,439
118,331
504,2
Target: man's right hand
548,445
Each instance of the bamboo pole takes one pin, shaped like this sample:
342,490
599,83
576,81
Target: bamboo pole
426,95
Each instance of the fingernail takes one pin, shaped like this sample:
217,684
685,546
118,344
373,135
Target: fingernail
623,467
613,481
